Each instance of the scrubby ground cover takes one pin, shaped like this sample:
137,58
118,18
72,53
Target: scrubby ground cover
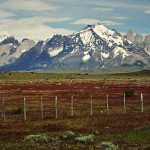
122,130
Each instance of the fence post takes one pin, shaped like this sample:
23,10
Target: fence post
3,110
56,113
42,108
124,103
91,105
72,106
24,110
107,105
142,109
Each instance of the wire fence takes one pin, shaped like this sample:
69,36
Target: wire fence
44,107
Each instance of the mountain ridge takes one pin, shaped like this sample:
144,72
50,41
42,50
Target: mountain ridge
91,48
11,48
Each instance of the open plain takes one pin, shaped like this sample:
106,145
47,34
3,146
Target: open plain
86,103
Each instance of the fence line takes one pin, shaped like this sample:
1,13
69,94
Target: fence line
3,110
142,109
72,111
42,108
124,101
107,105
90,105
24,106
56,110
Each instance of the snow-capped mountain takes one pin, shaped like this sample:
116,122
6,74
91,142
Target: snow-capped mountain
93,47
11,49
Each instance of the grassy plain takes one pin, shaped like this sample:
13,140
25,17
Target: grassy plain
130,130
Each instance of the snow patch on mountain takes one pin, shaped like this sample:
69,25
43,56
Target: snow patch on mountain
86,52
120,51
105,55
75,51
108,35
3,37
24,50
55,52
86,36
102,31
86,57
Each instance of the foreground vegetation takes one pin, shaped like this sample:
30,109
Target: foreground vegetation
78,133
116,130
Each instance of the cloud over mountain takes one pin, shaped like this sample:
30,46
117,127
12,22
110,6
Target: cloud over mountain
68,16
36,5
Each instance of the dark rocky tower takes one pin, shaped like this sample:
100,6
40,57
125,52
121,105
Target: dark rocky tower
147,44
138,40
130,35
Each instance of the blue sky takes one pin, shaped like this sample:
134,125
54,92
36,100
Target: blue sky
41,19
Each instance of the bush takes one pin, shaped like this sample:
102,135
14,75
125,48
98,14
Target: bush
147,147
129,93
85,139
17,90
95,132
41,139
17,111
108,146
67,135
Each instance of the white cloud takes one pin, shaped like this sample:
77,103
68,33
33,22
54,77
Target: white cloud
123,4
41,32
33,28
121,18
35,5
147,11
103,9
111,23
87,21
5,14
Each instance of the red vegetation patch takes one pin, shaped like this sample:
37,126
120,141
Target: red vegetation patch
16,127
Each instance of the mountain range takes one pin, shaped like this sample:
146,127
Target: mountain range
91,48
139,40
11,49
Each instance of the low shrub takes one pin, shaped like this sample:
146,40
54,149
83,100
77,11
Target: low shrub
147,147
86,139
95,132
67,135
40,139
17,111
17,90
108,146
129,93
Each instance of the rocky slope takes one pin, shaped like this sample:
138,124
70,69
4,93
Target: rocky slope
139,40
11,49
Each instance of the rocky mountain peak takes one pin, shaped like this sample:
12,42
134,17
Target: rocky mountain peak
130,35
11,48
147,40
10,40
138,40
3,37
98,28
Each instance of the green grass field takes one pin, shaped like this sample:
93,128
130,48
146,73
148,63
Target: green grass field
141,75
